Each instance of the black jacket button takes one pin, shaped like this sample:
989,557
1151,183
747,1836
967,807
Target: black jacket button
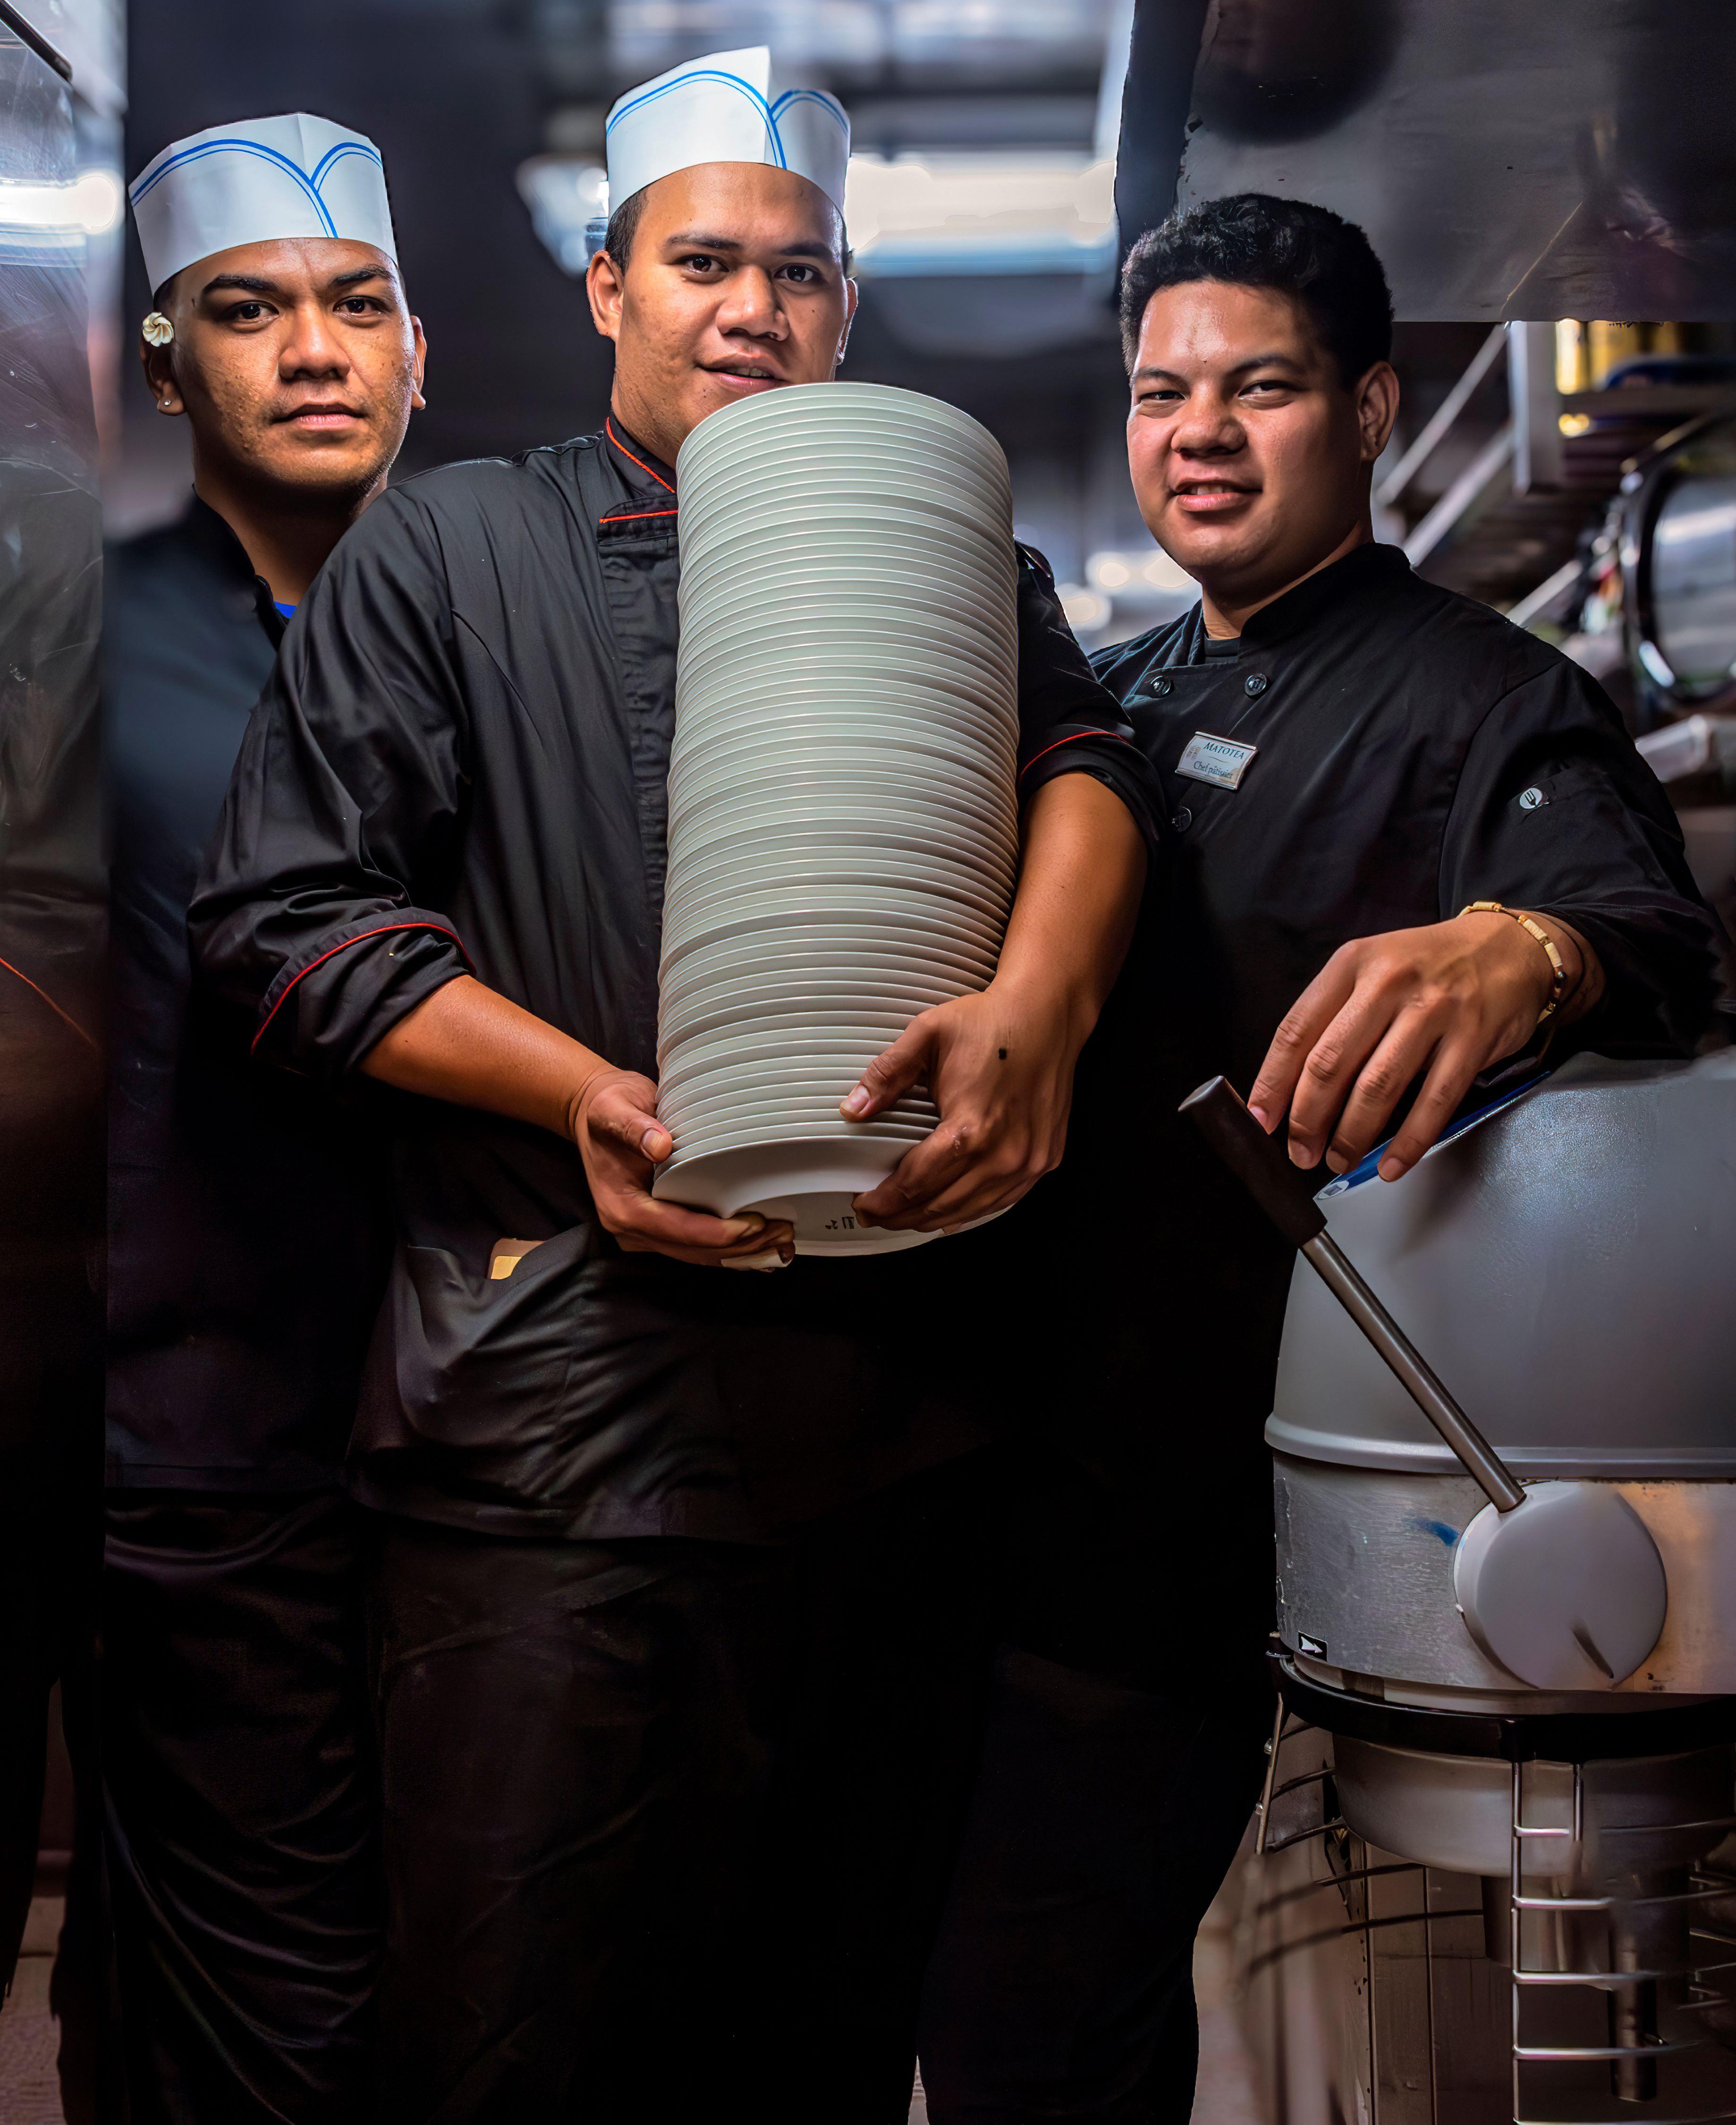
1254,683
1181,819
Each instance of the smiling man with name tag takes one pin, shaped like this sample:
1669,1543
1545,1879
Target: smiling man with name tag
1412,847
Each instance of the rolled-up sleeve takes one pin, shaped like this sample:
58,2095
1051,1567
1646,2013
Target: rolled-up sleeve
316,910
1556,812
1069,723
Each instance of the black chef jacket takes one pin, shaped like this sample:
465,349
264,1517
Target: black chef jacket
460,762
1415,752
246,1225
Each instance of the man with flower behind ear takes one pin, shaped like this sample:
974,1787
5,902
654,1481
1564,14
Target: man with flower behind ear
246,1234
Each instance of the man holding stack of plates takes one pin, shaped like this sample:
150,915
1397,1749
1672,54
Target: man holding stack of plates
679,1598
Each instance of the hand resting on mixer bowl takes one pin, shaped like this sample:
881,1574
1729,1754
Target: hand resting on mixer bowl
1439,1003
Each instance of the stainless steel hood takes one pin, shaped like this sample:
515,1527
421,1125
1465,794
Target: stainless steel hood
1509,158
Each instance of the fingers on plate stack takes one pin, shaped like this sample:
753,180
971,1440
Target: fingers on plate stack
843,830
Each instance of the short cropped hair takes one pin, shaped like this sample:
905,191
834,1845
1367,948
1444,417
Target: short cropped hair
1252,240
623,224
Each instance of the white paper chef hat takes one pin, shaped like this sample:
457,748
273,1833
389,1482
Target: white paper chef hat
723,108
253,183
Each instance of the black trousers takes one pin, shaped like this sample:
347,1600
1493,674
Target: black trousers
243,1808
668,1824
1105,1817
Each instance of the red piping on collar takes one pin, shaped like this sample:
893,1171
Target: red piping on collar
631,516
609,430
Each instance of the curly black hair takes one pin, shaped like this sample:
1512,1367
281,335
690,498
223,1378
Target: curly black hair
1255,240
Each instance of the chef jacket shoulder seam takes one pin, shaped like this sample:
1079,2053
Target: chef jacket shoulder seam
446,475
1553,666
1520,651
463,507
462,620
1104,660
447,480
1476,733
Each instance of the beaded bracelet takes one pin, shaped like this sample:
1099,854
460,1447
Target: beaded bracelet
1558,987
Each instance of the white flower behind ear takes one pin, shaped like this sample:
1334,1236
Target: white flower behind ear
157,330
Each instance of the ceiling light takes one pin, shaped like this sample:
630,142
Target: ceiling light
1140,576
946,213
1083,610
97,201
568,199
1163,574
89,206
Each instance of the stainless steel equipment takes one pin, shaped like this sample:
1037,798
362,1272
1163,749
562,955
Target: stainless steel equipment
1507,161
51,933
1677,525
1521,1645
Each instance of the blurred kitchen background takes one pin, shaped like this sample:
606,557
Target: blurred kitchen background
983,212
1554,190
1524,173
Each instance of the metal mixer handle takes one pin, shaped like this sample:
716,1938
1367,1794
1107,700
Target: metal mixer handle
1282,1191
1259,1161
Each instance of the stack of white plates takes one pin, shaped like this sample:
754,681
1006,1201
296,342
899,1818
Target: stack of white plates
843,832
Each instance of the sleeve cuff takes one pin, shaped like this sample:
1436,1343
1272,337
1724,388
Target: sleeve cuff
1117,762
1660,985
328,1008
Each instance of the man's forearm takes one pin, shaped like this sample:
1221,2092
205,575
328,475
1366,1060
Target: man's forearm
1083,868
1080,883
469,1044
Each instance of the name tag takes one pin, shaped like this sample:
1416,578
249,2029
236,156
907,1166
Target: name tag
1218,760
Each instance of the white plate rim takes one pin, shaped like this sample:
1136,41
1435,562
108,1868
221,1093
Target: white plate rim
897,920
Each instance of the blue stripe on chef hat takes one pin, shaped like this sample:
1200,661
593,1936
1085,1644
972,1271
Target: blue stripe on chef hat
689,75
147,185
720,108
262,179
830,104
